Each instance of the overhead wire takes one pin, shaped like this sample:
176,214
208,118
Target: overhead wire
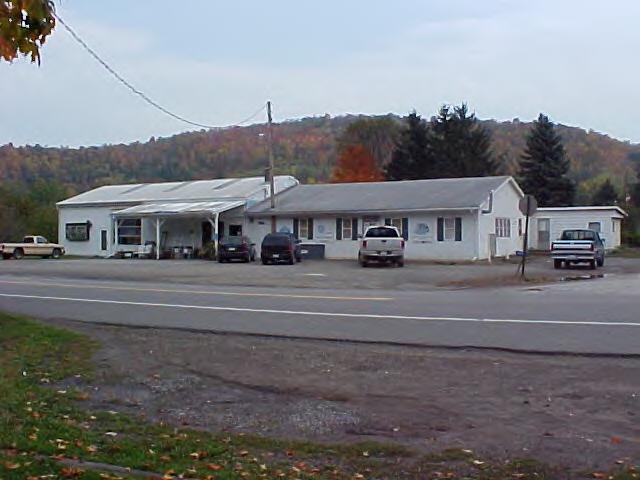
141,94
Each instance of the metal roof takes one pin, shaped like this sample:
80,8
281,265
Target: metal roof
586,208
179,208
406,195
189,191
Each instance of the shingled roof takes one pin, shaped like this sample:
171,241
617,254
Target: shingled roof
399,196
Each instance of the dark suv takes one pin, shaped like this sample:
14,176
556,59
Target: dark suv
280,247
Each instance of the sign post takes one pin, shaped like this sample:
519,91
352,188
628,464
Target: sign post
528,206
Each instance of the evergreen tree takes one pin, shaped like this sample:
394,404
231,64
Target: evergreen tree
544,166
412,159
605,195
461,145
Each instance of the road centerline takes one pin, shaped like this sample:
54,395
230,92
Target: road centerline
330,314
198,292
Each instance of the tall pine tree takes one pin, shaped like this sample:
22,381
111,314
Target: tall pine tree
412,159
544,166
453,144
461,145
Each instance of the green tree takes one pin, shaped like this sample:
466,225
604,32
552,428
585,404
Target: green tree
412,159
24,27
544,166
606,194
460,144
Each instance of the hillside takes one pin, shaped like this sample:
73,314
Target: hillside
303,148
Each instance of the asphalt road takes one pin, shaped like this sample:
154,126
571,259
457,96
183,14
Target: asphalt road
420,304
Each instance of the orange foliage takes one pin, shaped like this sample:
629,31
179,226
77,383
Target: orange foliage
356,164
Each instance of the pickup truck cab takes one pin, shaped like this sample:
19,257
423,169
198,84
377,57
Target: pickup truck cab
578,246
34,245
381,244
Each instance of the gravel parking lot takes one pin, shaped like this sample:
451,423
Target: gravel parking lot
316,273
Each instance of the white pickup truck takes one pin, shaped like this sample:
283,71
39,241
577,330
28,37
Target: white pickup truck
578,246
381,244
34,245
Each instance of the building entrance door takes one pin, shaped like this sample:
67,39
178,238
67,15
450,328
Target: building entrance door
544,234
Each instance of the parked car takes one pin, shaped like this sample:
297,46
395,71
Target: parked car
381,244
236,248
280,247
34,245
577,246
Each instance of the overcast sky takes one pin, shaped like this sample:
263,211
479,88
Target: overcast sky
217,63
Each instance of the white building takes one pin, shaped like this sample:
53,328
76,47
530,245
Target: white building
548,222
454,219
180,217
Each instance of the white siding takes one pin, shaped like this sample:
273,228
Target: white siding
100,218
610,223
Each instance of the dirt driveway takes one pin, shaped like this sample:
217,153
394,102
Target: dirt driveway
579,412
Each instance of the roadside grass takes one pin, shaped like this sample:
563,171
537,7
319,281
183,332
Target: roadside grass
625,252
46,434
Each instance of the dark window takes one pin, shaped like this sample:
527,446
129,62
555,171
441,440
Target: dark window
77,232
129,231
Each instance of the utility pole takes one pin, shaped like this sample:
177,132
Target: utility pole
271,168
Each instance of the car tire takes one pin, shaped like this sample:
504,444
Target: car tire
55,254
264,261
601,262
291,261
18,253
557,264
593,264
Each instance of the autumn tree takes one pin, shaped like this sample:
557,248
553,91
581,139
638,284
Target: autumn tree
356,164
544,166
377,134
24,27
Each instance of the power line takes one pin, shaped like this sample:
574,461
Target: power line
141,94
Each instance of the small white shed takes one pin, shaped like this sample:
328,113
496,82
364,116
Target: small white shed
549,222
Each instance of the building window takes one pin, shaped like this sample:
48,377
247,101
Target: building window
503,227
519,227
130,231
77,232
402,224
346,228
594,226
449,229
303,228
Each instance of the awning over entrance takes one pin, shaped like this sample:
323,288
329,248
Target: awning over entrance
162,211
179,208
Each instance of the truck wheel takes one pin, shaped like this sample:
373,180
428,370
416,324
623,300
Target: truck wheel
557,264
593,264
362,261
601,262
18,253
400,263
56,253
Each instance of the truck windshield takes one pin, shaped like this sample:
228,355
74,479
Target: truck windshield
577,235
382,232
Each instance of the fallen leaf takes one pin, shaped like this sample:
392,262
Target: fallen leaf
11,465
213,466
616,440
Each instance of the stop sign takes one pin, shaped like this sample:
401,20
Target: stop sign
528,205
